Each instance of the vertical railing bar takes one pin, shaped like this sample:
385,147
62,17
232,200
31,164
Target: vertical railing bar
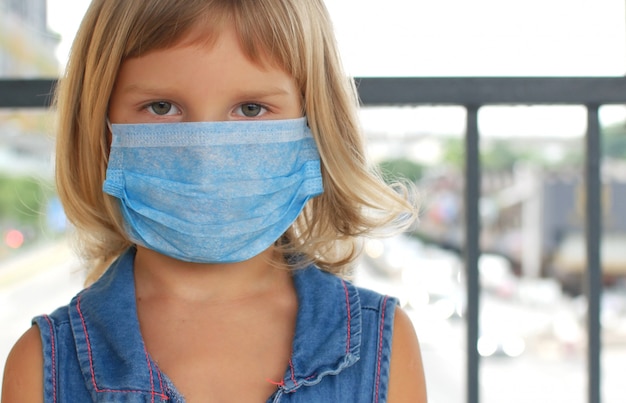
593,227
472,250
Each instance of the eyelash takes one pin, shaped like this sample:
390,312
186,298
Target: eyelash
148,107
239,108
264,108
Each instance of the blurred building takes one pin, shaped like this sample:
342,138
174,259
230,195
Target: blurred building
27,46
27,50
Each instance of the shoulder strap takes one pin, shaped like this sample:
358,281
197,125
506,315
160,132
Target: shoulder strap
48,325
378,317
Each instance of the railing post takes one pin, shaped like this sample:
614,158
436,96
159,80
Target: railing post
472,250
593,221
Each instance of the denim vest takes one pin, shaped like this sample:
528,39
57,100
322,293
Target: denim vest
93,349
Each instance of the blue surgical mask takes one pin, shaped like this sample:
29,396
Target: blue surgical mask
212,192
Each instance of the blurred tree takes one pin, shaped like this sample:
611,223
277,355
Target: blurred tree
401,169
453,152
614,141
503,154
499,155
22,199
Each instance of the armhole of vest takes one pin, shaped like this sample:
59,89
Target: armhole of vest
383,354
50,357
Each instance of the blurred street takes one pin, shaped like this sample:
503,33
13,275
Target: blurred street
532,339
36,282
544,360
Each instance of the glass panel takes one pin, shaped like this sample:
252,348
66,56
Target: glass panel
37,270
532,308
613,303
29,210
532,164
424,268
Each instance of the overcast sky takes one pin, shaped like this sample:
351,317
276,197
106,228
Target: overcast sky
463,38
458,37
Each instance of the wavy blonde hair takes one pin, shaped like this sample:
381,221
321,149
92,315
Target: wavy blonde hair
297,36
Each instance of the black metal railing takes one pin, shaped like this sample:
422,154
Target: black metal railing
473,93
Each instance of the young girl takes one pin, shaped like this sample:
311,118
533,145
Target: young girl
209,156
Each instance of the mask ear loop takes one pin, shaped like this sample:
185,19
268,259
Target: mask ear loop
109,126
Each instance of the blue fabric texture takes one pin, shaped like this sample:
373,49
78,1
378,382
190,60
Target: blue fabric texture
94,351
212,192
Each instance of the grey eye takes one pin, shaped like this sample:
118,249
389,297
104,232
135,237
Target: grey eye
251,110
161,107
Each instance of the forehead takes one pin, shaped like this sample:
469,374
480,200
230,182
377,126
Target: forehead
257,38
217,69
222,54
205,38
267,37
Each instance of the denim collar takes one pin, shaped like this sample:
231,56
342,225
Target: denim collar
114,360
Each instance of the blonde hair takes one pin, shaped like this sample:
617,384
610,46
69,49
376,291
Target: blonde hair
297,36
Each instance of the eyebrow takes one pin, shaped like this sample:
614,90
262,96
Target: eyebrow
147,90
245,93
263,93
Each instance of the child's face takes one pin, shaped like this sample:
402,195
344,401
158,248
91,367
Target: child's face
202,83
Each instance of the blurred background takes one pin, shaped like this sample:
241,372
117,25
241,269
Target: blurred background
532,319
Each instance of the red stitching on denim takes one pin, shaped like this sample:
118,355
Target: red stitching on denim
93,375
54,369
293,375
380,348
345,287
82,319
150,372
158,371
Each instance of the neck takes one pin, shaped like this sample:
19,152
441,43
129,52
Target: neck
163,276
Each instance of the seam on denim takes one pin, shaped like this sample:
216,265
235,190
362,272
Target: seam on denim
293,375
150,372
380,347
82,319
158,371
345,287
93,374
54,370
